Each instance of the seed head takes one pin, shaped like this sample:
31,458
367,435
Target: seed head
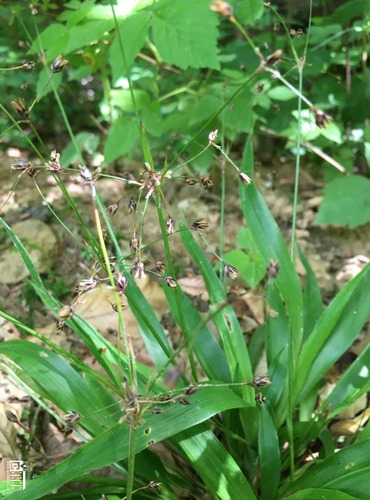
191,390
54,163
20,107
85,173
154,486
231,271
65,312
223,8
170,225
160,266
139,269
131,206
190,181
134,245
60,325
86,285
245,178
206,181
58,64
112,209
121,282
28,65
274,58
21,165
212,136
183,401
201,223
170,282
322,119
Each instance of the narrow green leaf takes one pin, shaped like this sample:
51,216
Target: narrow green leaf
272,246
210,355
113,445
337,328
321,494
269,454
351,463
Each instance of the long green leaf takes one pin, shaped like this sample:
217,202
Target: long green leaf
347,470
334,333
321,494
113,445
269,454
214,464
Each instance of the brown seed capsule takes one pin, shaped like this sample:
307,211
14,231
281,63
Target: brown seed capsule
134,245
154,486
245,178
207,183
65,312
170,225
139,269
157,411
121,282
112,209
170,282
21,165
191,182
58,64
12,416
223,8
160,266
191,390
261,381
259,87
260,397
60,325
72,417
183,401
299,32
321,118
85,173
274,58
28,65
200,224
86,285
231,271
20,107
131,206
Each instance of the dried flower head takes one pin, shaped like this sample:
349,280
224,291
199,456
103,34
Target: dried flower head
154,486
231,271
12,416
170,225
201,223
86,285
21,165
19,107
190,181
274,58
65,312
259,87
170,282
28,65
160,266
58,64
183,401
121,282
260,397
212,136
72,417
245,178
277,26
139,269
112,209
131,206
134,245
54,164
322,119
191,390
85,173
157,411
60,325
206,181
223,8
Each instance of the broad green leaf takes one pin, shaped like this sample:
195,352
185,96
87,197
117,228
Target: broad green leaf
86,141
335,331
86,33
248,11
121,139
347,470
122,99
185,33
214,464
133,30
251,267
43,79
53,40
346,202
113,445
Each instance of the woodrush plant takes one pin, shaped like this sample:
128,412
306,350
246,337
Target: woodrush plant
237,435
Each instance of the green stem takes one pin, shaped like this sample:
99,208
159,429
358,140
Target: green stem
182,322
131,462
